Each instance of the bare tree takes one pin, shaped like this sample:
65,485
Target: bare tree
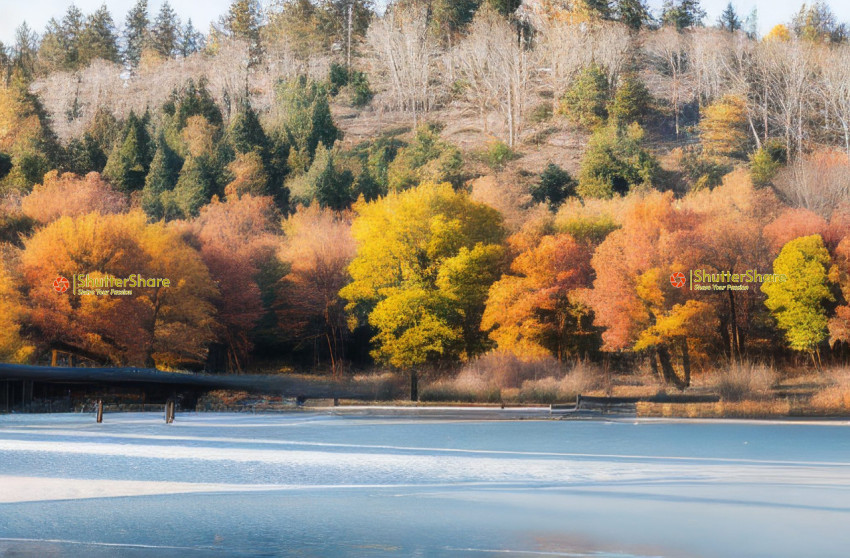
669,48
492,60
834,88
789,72
564,48
819,182
405,52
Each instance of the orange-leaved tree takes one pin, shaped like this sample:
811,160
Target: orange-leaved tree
166,326
239,242
632,296
318,248
72,195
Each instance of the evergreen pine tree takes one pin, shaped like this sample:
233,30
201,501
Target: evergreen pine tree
729,20
191,41
136,32
130,159
633,13
243,21
162,177
195,186
166,34
99,39
631,101
246,133
682,13
554,187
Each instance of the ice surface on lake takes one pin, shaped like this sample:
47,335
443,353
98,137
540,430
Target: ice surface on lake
318,485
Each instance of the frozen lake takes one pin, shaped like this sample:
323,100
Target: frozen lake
307,484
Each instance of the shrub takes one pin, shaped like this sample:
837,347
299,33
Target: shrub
468,387
337,78
766,162
632,101
554,187
498,155
540,113
427,158
615,162
506,370
585,102
361,92
747,381
704,171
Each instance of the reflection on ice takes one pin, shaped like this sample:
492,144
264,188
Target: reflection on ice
321,485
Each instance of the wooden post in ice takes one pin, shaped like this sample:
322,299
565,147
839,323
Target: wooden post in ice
169,411
99,411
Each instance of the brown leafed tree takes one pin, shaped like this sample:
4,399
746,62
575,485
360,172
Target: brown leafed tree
318,247
70,195
238,241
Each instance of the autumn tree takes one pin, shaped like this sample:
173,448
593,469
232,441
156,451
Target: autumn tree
406,50
318,247
819,182
165,326
239,244
723,128
798,303
13,346
249,176
425,260
493,62
535,310
632,296
71,195
817,23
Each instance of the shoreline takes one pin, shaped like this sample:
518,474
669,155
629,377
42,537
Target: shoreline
476,413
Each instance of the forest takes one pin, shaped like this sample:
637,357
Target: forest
496,194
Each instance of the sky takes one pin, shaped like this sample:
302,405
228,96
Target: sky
37,12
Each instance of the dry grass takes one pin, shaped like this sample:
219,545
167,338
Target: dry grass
773,408
502,377
469,386
749,381
835,397
506,370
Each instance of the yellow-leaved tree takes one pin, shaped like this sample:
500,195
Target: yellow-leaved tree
426,258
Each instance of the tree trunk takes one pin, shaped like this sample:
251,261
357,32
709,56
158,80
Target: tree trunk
669,373
414,385
686,361
734,340
653,365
